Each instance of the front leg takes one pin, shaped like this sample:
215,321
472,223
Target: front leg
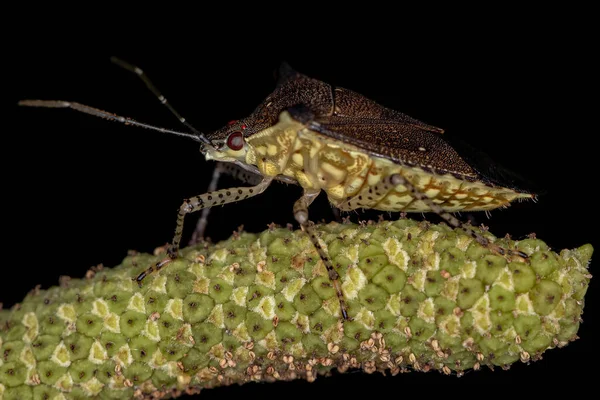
228,169
301,215
197,203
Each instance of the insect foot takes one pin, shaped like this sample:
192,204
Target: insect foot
256,309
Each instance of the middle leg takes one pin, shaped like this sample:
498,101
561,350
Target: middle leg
301,215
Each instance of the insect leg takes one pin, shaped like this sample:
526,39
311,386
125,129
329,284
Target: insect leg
222,168
198,234
197,203
397,179
301,215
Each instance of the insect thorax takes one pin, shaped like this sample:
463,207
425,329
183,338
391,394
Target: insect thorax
343,171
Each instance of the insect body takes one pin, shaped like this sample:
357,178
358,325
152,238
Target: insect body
361,154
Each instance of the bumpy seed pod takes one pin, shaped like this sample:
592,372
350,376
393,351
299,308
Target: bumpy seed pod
260,307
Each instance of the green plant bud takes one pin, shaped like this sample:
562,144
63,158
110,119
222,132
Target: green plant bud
469,291
44,346
523,276
79,346
49,372
261,307
391,278
82,371
545,296
544,263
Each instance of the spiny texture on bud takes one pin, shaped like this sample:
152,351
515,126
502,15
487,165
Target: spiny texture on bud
260,307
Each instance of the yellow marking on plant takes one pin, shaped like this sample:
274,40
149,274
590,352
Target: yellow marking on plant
523,304
64,383
366,318
238,295
353,282
93,387
67,313
30,322
100,308
419,278
158,360
463,242
292,288
265,278
112,322
137,303
270,341
297,350
151,330
333,334
505,279
227,274
27,357
123,356
266,307
426,311
241,333
396,256
217,351
98,354
559,312
352,253
332,306
216,316
219,255
393,304
481,314
159,284
201,285
401,325
61,355
451,325
450,288
302,322
469,269
174,308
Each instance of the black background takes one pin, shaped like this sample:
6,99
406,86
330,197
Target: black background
79,191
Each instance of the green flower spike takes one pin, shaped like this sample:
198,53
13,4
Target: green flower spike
260,307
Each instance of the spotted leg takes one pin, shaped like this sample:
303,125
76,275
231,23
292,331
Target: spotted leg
222,168
197,203
301,215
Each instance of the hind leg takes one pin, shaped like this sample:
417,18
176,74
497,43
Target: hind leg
370,195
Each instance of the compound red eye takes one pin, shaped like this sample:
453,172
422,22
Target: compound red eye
235,141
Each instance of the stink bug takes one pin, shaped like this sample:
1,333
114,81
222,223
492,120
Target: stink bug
330,139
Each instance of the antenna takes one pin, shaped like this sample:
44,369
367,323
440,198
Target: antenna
139,72
106,115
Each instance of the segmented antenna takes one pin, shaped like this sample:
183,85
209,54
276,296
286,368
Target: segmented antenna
105,114
139,72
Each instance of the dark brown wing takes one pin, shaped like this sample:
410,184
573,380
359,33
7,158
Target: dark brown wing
404,143
412,145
